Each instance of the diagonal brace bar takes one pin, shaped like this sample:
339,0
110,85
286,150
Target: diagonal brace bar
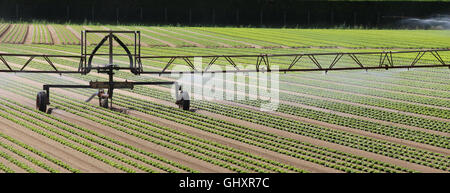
314,60
356,60
438,57
213,60
26,63
5,62
169,63
336,59
296,59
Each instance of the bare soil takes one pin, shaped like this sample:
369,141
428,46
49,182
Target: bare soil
5,33
54,37
29,35
76,34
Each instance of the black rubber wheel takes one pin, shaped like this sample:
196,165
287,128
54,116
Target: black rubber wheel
104,103
186,104
41,101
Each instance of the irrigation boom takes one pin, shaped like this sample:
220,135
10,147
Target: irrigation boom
263,63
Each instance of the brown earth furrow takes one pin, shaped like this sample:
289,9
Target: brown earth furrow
29,35
8,27
53,35
48,40
6,33
76,34
42,39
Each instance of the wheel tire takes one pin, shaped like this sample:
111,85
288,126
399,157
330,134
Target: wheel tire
41,101
179,103
186,104
104,103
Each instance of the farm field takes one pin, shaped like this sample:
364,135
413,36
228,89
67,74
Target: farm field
394,121
229,37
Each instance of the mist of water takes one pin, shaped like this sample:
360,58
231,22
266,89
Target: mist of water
435,22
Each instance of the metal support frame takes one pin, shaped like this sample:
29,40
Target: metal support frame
386,61
101,85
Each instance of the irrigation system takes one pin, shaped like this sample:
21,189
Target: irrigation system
385,60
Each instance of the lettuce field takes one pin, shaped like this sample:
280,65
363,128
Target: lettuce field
381,121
